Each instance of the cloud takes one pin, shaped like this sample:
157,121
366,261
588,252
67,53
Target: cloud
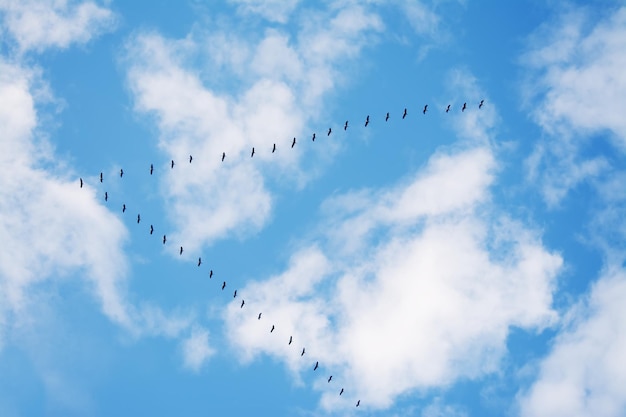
272,10
585,372
575,91
196,349
37,25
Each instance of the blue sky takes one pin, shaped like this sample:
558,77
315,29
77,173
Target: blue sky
468,263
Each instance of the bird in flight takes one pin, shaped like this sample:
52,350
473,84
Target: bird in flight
480,105
329,131
274,148
190,158
367,120
138,218
290,340
425,109
151,168
199,261
404,114
464,106
330,378
341,392
448,108
235,294
293,143
181,251
260,316
151,229
313,138
358,403
81,182
121,173
101,177
223,156
211,274
302,354
242,303
106,196
223,285
164,239
123,208
272,329
387,117
172,164
345,126
317,364
252,154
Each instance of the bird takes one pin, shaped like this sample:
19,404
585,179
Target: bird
387,117
290,340
404,115
106,196
242,303
223,156
272,329
223,285
181,251
164,239
367,120
480,105
151,229
358,403
190,158
464,106
425,109
210,274
313,138
448,108
274,148
199,261
101,177
317,364
81,182
172,164
341,392
151,168
260,316
252,154
123,208
293,143
138,218
302,354
235,294
345,126
329,131
330,378
121,173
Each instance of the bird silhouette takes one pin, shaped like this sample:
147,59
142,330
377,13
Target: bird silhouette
181,251
242,303
345,126
235,294
252,154
223,285
272,329
293,143
341,392
317,364
151,169
464,106
313,138
329,131
172,165
404,114
358,403
260,316
101,177
302,354
190,158
330,378
223,156
211,274
274,148
123,208
164,239
81,182
367,120
448,108
290,340
387,117
138,218
106,196
151,229
121,173
425,109
480,105
199,261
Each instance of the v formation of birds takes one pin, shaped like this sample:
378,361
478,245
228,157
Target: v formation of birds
252,153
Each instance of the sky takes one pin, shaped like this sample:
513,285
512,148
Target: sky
469,262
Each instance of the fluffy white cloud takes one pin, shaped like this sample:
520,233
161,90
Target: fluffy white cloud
40,24
272,10
585,372
196,349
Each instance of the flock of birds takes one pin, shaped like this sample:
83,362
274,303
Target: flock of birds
223,286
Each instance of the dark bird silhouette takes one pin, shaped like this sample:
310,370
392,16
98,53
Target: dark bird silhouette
358,403
345,127
181,251
425,109
404,114
106,196
302,354
293,143
387,117
274,148
123,208
448,108
317,364
190,158
329,131
151,229
223,156
367,120
242,303
341,392
81,182
330,378
172,164
138,218
313,138
223,285
199,261
151,168
480,105
252,154
164,239
464,106
235,294
260,316
211,274
290,340
121,173
101,177
272,329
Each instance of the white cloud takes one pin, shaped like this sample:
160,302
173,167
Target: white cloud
585,372
196,349
272,10
41,24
